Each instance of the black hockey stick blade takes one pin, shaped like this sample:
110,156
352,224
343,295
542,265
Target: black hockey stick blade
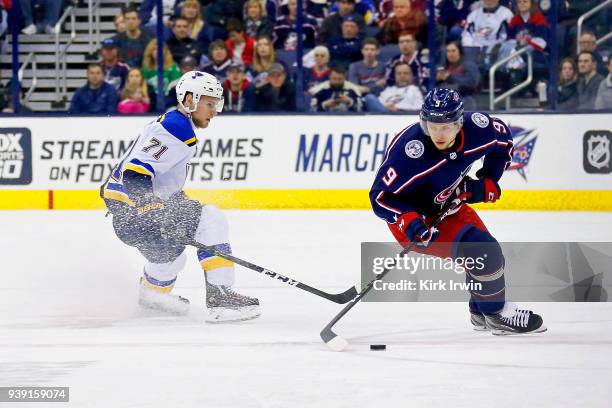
337,343
340,298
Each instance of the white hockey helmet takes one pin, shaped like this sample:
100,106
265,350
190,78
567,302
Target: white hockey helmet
199,84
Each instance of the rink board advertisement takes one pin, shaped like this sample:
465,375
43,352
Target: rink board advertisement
561,162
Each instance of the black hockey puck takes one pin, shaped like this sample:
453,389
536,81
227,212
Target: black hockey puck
378,346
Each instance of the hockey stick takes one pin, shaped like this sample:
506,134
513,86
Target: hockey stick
337,343
341,298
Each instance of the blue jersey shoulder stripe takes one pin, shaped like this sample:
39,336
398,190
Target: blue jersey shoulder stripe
178,126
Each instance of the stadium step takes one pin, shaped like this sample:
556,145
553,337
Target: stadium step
50,83
45,58
47,39
82,48
104,11
105,26
45,73
47,96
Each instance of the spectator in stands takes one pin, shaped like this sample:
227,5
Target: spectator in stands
588,80
317,9
135,95
285,30
239,93
4,6
369,73
218,12
255,20
568,85
180,43
409,54
6,98
603,100
336,95
385,7
453,15
241,47
278,94
149,66
529,28
346,49
319,72
119,24
401,97
6,93
133,41
331,27
148,13
219,60
487,29
51,10
365,8
404,19
115,71
588,42
459,74
96,97
263,59
188,63
191,10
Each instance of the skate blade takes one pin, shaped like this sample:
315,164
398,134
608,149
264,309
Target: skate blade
218,315
481,328
158,309
501,332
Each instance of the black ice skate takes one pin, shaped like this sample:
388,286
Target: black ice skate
225,305
512,320
478,321
165,303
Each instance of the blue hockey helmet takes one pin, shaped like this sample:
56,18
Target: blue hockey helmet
442,105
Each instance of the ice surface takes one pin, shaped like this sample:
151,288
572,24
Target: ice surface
68,317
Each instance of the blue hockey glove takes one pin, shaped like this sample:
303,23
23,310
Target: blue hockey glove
478,191
413,225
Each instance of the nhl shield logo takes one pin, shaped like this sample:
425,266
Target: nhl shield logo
597,151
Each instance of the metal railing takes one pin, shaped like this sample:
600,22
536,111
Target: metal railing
506,95
61,54
93,9
31,58
586,15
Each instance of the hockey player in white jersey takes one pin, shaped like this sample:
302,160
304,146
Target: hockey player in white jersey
151,212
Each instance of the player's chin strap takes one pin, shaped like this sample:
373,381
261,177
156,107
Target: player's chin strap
336,342
189,111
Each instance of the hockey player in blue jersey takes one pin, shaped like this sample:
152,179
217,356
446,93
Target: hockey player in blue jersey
150,211
425,168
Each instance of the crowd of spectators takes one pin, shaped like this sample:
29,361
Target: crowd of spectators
359,55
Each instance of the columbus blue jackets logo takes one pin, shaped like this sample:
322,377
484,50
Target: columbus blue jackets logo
524,143
480,120
414,149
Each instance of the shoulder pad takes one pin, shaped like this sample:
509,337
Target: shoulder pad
178,126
